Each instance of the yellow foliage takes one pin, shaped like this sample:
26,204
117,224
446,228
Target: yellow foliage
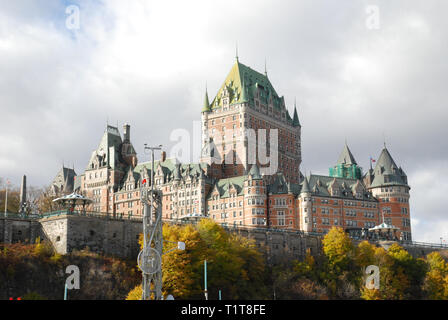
135,294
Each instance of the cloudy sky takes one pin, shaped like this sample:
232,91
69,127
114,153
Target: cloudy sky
361,71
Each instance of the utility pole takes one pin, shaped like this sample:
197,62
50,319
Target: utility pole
150,258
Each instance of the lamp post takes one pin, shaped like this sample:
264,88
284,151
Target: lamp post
150,255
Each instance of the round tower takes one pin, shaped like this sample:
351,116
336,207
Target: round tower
390,186
306,219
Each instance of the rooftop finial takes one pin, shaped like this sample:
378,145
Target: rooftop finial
265,68
236,52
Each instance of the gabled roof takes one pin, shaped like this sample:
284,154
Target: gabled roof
279,185
347,186
346,157
65,179
224,185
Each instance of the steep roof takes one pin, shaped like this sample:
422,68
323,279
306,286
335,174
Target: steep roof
108,151
65,179
346,156
387,172
255,172
320,186
224,185
240,77
305,186
206,106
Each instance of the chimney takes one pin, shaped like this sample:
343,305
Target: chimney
163,156
126,132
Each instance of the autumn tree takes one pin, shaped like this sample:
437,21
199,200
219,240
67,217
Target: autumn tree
341,274
234,265
436,280
401,275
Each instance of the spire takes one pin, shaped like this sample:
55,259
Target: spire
206,101
255,172
295,121
305,186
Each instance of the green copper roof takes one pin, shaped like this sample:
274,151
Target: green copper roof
252,80
206,102
320,186
223,186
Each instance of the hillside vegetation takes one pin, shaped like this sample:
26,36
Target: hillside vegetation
36,272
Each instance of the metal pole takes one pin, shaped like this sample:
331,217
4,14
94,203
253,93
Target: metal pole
6,199
65,291
219,294
205,280
152,185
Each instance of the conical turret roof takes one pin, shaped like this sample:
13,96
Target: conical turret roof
346,156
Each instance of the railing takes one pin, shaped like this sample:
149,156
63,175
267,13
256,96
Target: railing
17,216
424,244
90,214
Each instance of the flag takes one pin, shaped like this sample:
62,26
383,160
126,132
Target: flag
372,160
144,181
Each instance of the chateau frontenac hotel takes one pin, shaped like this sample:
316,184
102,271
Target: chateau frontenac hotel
229,188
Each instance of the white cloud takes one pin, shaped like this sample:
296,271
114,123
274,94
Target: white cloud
147,62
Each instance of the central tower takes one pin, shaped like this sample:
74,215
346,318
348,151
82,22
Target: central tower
248,123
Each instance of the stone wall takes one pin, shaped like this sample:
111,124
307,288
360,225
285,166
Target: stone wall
13,230
282,246
108,236
119,238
